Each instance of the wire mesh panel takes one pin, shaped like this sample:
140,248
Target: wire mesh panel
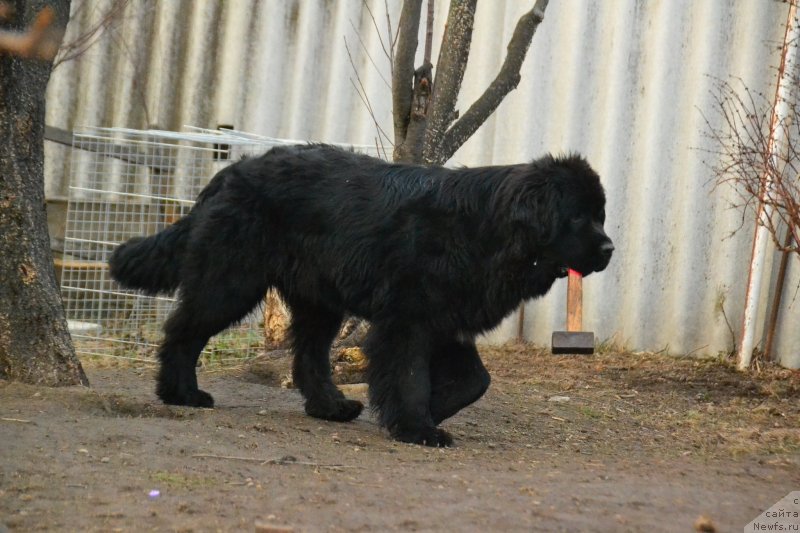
126,183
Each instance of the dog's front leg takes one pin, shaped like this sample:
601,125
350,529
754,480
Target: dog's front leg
400,382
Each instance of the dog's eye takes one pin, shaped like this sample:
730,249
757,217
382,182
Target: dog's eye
577,220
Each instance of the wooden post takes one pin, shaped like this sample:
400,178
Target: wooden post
521,323
574,301
574,340
776,300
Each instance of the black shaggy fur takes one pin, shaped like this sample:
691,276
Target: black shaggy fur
430,256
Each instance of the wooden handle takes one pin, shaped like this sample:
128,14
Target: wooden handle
574,301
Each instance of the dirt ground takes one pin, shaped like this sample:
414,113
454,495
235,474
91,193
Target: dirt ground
610,442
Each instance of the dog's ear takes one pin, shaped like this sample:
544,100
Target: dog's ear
536,211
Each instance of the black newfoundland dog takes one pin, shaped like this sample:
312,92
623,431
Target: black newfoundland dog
430,256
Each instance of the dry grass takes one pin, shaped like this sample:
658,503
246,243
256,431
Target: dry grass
704,406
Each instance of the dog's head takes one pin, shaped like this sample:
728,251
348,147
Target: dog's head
560,208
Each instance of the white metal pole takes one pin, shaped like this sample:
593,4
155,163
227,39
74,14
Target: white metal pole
786,74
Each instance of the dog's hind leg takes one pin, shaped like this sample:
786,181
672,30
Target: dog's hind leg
177,380
458,378
312,331
203,311
399,382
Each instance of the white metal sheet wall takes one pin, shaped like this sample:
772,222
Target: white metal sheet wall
625,82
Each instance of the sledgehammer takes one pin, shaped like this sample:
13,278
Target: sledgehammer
573,341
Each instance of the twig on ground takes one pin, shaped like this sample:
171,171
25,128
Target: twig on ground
284,460
20,420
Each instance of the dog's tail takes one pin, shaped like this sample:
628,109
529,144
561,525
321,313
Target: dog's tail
152,264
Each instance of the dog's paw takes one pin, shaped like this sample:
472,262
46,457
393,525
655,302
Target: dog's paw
433,437
200,398
194,398
338,410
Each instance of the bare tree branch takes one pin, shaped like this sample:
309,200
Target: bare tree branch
403,68
386,51
449,74
507,80
747,161
429,32
81,43
369,56
362,93
392,36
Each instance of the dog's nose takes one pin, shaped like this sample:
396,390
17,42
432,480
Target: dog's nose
606,248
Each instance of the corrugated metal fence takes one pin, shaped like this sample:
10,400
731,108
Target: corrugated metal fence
626,82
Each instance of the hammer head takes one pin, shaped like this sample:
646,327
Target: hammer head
572,342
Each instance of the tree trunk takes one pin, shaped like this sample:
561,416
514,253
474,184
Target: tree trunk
427,127
402,75
35,345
